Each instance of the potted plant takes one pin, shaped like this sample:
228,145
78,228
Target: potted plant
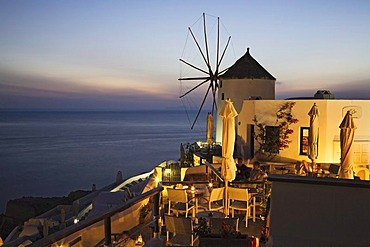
228,235
202,229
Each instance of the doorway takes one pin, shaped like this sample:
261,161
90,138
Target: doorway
250,141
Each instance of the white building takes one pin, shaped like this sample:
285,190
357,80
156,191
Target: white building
252,90
246,79
331,115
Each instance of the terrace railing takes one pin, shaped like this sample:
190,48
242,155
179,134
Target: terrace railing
213,173
106,217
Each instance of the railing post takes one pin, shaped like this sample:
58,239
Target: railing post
156,214
107,231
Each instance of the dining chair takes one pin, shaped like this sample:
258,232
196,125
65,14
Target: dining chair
241,199
178,201
215,202
334,170
362,172
181,229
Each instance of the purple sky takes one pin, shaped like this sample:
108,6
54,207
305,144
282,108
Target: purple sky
124,54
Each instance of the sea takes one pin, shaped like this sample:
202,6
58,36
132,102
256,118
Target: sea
51,153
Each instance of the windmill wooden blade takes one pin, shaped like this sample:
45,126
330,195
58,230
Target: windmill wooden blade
211,74
223,53
200,84
214,104
193,66
194,78
205,38
200,49
218,42
201,106
223,70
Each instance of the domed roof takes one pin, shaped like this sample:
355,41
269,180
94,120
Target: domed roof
247,67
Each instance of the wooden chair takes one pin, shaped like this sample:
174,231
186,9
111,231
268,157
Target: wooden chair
215,201
362,172
240,199
334,170
182,230
178,202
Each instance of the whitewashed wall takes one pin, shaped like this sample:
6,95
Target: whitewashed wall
239,90
331,115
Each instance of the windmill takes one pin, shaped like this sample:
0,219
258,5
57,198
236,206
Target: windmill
209,75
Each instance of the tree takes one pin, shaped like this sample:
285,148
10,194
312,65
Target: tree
272,139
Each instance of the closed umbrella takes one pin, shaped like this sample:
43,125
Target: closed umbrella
182,154
313,134
347,134
210,127
228,168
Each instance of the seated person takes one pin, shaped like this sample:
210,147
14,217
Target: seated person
125,240
242,171
257,174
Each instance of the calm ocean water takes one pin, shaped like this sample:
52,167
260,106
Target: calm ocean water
53,153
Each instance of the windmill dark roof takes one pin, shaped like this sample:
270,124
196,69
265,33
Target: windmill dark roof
247,67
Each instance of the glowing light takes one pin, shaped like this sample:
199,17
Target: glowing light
210,184
139,240
75,221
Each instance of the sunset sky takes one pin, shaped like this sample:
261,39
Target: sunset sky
120,55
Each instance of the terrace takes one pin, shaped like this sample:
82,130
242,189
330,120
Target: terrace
303,210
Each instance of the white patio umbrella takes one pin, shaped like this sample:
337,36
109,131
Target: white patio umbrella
210,128
228,168
347,134
313,134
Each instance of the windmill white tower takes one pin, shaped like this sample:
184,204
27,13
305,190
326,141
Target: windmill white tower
245,79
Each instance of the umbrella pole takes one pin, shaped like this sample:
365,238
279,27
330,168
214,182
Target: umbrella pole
226,205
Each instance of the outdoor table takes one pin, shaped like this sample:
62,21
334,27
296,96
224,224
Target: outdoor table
195,193
210,214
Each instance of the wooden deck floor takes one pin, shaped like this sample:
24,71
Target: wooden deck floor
253,229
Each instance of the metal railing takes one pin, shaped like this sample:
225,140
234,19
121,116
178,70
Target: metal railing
106,217
214,171
132,233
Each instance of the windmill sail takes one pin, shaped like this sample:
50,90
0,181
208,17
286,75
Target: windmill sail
210,75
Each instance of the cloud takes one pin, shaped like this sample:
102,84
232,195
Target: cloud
20,91
23,97
30,91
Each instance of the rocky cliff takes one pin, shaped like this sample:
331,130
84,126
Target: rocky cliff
22,209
